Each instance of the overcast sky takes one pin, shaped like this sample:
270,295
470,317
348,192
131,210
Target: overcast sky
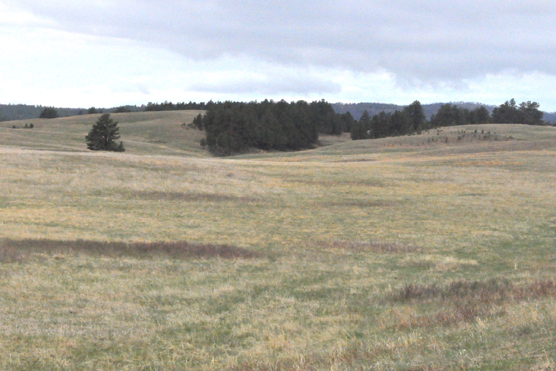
107,53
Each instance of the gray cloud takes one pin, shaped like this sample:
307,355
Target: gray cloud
416,40
269,84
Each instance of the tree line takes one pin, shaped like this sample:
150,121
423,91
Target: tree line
234,127
412,119
179,106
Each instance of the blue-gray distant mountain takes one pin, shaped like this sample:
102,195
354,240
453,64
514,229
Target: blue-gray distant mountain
357,109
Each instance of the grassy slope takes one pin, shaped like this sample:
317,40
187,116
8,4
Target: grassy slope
153,133
359,244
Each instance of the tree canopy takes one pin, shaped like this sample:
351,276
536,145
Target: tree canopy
49,113
527,113
103,135
233,127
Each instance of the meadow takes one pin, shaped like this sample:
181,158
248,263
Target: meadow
426,252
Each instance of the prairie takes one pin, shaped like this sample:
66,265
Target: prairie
427,252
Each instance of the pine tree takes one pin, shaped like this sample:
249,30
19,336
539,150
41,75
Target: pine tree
49,113
416,115
103,135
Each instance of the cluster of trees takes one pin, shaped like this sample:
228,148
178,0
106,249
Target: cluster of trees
233,127
49,113
411,119
509,112
452,115
169,106
526,113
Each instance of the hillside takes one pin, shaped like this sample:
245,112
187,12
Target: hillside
432,251
154,133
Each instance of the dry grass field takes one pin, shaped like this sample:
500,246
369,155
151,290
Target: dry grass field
430,252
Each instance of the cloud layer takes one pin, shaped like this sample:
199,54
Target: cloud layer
343,49
423,40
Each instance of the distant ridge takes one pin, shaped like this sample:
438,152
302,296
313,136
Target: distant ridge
357,109
10,112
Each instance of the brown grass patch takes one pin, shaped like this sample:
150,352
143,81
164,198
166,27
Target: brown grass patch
357,355
191,197
465,301
378,247
339,182
358,160
362,203
9,254
487,291
12,251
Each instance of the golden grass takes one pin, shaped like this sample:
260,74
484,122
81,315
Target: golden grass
389,254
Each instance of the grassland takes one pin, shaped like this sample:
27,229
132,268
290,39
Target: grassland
426,252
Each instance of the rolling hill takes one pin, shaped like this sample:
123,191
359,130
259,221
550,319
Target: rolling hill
142,132
431,251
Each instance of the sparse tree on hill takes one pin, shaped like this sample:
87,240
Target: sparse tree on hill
103,135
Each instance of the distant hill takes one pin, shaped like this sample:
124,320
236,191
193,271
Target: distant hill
152,133
11,112
550,117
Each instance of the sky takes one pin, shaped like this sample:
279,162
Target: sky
107,53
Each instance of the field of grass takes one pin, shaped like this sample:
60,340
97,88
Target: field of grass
150,133
430,252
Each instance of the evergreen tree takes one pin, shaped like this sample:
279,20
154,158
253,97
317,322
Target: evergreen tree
49,113
400,123
416,115
381,125
198,121
479,115
362,128
530,114
507,113
347,122
449,115
103,135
